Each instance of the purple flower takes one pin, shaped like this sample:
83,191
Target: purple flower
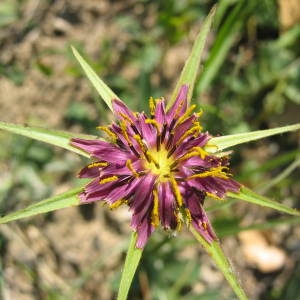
156,165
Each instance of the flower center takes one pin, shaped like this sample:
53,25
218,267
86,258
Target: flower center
159,163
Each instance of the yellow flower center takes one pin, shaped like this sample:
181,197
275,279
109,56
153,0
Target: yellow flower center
159,163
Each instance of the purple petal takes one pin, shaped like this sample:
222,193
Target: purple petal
122,191
180,105
142,200
103,150
167,205
121,110
88,172
160,113
147,130
199,218
144,231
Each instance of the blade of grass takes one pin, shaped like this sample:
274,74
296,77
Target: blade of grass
216,253
190,69
222,142
104,91
63,200
53,137
250,196
263,188
131,263
224,41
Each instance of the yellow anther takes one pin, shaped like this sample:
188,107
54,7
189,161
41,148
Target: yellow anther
117,203
176,191
98,164
189,155
125,134
200,151
151,157
108,179
138,138
131,168
188,216
204,225
199,114
186,114
155,214
154,123
216,172
152,106
179,221
108,132
178,109
125,117
195,129
213,196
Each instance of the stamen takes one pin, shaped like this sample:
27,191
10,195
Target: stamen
188,216
108,131
199,114
189,155
138,138
154,214
125,117
152,106
178,109
217,172
200,151
98,164
131,168
154,123
150,156
178,219
117,203
125,134
108,179
213,196
176,191
196,128
204,225
186,114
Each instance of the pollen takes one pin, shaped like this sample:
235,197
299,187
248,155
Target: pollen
159,163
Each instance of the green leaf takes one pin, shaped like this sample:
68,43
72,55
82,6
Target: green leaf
216,253
250,196
131,263
53,137
104,91
190,69
222,142
63,200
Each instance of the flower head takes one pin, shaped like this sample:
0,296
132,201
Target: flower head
156,165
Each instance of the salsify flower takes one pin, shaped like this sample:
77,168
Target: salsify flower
157,166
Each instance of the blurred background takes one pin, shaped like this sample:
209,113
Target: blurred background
250,80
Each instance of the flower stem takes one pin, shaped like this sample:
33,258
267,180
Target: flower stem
216,253
131,263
